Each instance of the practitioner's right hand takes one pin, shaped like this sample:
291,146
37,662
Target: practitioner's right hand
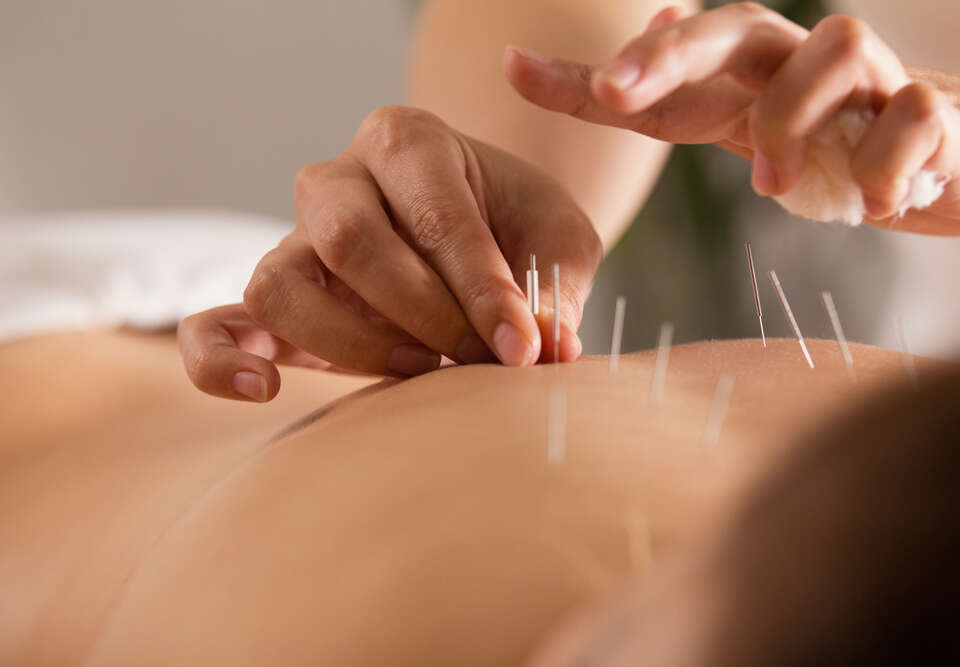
409,245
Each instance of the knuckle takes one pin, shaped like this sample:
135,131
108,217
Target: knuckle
186,327
845,36
200,371
267,294
667,46
581,103
431,224
195,363
483,293
305,182
393,128
749,9
340,241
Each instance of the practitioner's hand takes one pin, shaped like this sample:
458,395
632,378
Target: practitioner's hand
409,245
746,78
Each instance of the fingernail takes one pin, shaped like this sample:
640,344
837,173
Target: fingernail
412,360
472,350
764,176
530,54
622,75
511,345
251,385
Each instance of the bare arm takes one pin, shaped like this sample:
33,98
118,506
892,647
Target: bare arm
456,73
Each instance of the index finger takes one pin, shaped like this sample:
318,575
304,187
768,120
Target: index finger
746,40
434,188
750,44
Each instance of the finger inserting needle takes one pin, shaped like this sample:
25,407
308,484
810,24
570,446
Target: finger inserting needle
617,338
756,291
838,331
789,313
718,410
660,366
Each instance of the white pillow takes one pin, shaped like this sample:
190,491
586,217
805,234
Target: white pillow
141,269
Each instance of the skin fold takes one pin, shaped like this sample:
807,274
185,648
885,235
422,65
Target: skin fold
146,523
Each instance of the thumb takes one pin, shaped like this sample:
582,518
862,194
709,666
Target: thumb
217,364
226,354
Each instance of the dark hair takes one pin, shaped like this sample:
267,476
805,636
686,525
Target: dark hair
849,552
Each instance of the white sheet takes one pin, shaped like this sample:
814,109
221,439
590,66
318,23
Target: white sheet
142,269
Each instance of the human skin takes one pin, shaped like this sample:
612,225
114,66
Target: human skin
745,78
412,242
608,173
143,522
842,552
418,200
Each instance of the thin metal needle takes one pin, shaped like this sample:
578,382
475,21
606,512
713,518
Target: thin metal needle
789,313
909,365
756,291
535,279
617,339
556,313
530,290
556,426
838,331
660,366
718,410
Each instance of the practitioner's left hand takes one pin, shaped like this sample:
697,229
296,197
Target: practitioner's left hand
746,78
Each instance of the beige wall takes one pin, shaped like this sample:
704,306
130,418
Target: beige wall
185,103
216,103
922,32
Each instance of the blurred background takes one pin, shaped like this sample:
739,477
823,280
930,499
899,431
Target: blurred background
165,135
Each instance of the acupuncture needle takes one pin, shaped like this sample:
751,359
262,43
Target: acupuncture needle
556,426
660,366
533,286
617,339
718,410
909,365
756,291
530,290
838,331
789,313
556,313
535,280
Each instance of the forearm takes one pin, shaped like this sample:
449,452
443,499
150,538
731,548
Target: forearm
456,73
